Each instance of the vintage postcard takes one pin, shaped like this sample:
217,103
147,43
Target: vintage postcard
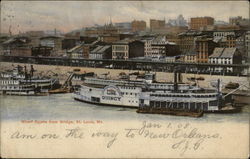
124,79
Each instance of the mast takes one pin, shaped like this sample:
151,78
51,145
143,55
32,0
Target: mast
218,86
175,80
25,73
31,70
18,69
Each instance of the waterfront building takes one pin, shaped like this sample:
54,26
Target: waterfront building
54,42
86,50
86,42
240,44
21,51
198,22
204,47
225,56
224,38
41,51
173,38
231,41
101,52
127,48
156,47
190,57
138,25
70,41
152,45
83,50
247,44
17,46
76,52
147,45
172,58
187,40
167,49
223,34
120,50
158,50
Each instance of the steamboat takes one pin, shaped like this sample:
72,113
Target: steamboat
149,96
22,82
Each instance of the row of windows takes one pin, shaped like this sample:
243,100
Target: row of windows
127,87
126,93
215,62
191,57
225,62
160,85
120,48
223,34
179,105
185,96
9,82
133,101
221,58
14,87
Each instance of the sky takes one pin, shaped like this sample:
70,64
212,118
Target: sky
69,15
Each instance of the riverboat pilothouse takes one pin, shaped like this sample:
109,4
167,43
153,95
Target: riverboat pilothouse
149,96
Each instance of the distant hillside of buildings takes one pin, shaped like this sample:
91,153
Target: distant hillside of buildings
197,41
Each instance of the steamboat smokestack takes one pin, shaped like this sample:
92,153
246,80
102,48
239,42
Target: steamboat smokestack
25,73
31,70
175,81
218,85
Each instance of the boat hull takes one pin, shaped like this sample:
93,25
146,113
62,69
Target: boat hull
104,104
31,93
171,112
60,91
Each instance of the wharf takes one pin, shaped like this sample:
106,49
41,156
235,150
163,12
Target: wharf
63,72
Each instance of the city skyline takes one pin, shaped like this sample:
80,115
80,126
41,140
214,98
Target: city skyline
69,15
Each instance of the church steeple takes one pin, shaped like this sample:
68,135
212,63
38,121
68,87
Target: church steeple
110,21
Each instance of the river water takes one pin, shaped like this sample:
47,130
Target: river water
63,106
